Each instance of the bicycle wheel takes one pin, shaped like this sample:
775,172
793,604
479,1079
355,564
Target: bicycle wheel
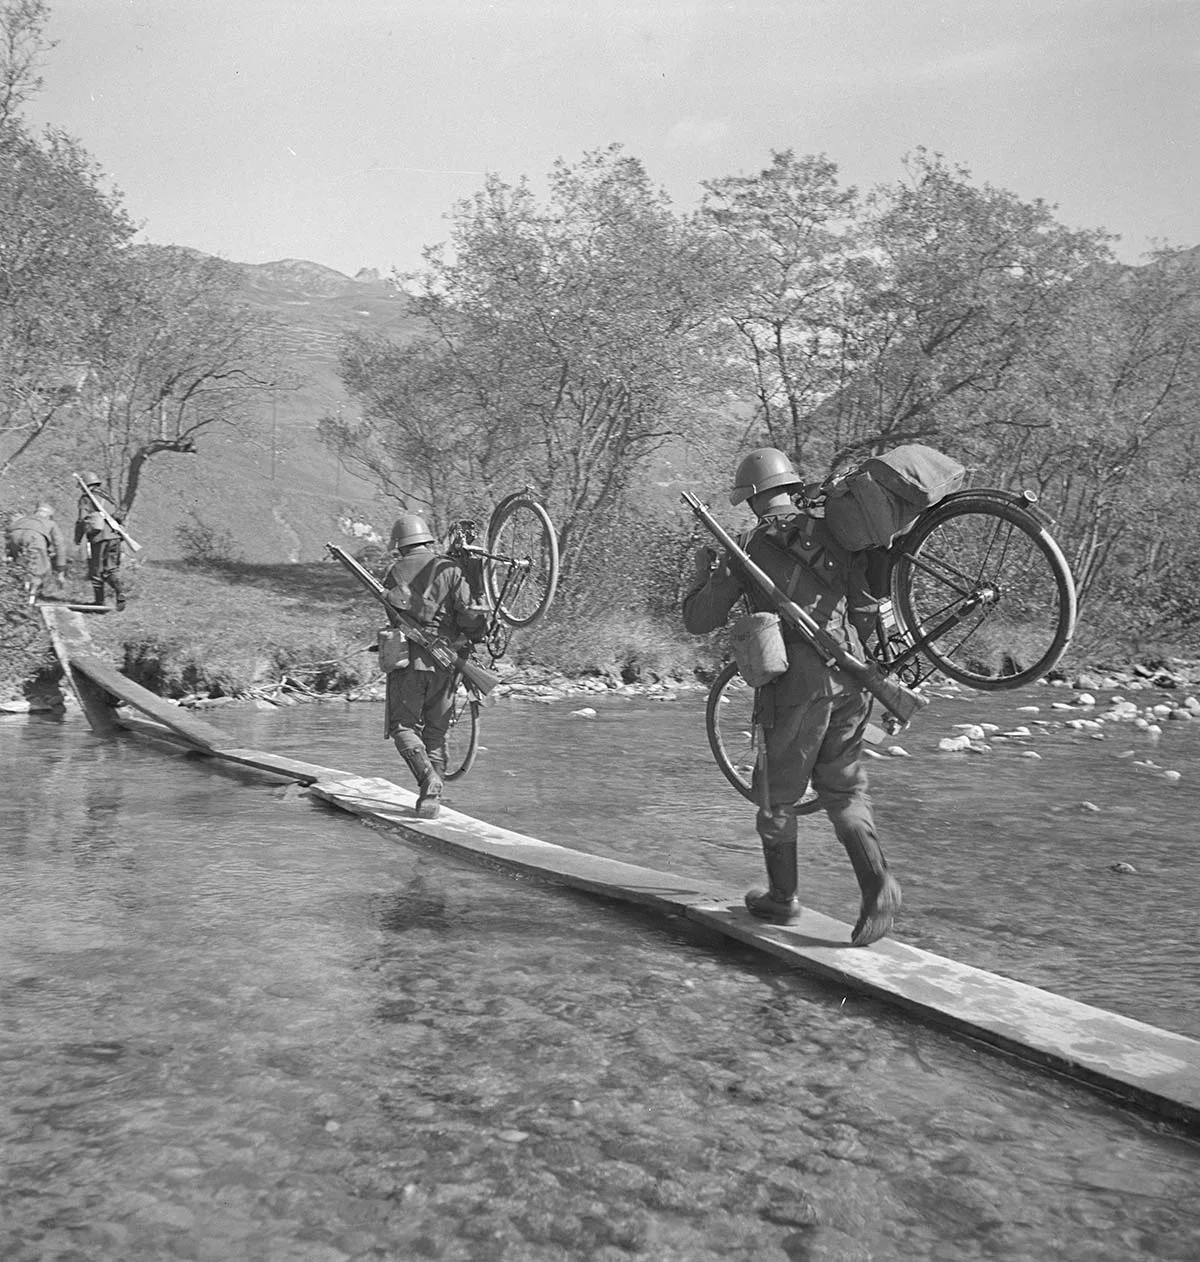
521,574
462,740
984,592
729,720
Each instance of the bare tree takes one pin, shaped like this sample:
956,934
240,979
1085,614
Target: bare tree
23,45
181,352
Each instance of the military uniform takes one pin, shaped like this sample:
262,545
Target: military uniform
103,546
36,545
420,695
813,717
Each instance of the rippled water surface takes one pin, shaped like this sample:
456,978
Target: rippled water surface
236,1024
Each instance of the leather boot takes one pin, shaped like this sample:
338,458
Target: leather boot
777,904
429,783
98,594
118,590
881,896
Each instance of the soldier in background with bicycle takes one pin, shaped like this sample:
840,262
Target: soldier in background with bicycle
433,589
812,716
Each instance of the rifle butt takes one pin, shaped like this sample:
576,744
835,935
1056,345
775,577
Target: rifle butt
893,696
483,681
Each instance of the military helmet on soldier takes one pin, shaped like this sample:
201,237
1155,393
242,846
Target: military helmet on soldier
408,530
91,479
764,469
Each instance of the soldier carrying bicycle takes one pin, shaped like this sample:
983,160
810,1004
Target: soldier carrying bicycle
433,589
813,716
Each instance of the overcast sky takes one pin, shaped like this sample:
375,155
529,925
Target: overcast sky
343,131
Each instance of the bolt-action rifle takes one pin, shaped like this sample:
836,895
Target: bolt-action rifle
109,520
443,653
898,700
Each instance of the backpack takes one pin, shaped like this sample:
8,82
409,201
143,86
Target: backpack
873,504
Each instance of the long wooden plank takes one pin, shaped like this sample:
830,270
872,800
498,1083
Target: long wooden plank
1158,1069
256,759
199,732
65,629
75,650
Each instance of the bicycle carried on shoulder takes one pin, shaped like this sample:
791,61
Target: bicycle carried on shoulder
976,589
515,572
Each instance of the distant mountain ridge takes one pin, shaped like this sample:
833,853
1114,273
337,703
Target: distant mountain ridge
273,486
314,279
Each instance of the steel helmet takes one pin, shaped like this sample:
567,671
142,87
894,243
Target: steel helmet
91,479
409,529
762,470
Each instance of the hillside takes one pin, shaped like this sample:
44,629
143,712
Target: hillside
276,489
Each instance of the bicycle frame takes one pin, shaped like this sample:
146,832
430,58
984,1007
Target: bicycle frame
462,547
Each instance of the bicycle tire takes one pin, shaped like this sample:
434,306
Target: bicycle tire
991,553
728,719
729,722
520,531
462,738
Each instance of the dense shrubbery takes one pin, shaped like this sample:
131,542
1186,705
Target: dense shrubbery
202,543
27,661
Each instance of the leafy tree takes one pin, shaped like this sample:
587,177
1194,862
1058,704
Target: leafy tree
955,288
868,324
564,342
60,235
788,237
1100,422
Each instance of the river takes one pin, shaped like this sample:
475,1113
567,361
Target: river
237,1024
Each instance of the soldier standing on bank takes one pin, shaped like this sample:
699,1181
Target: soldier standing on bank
813,716
103,542
36,545
432,588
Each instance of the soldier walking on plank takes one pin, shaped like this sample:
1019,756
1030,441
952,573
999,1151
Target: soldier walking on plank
432,588
813,716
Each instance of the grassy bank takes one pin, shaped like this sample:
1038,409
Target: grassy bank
232,629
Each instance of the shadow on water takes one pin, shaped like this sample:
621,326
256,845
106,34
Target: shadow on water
236,1024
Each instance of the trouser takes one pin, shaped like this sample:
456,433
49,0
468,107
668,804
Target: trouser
818,741
33,560
418,711
103,565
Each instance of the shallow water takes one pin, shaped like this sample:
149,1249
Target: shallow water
1005,860
236,1024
